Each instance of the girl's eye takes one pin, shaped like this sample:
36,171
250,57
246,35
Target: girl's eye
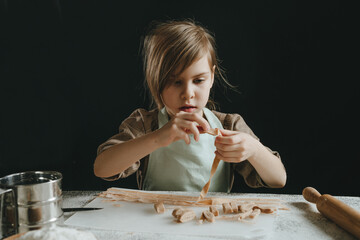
198,80
177,83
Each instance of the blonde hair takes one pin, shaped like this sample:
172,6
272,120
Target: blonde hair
172,45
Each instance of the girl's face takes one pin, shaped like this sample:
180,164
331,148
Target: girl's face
189,91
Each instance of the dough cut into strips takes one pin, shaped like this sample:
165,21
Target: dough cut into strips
177,212
159,207
214,166
205,189
143,194
266,209
185,215
250,207
246,207
227,208
234,207
238,216
244,214
256,212
208,216
214,210
119,194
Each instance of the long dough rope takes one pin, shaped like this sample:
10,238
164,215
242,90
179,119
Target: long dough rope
118,194
205,189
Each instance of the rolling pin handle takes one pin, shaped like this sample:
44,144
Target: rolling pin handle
311,194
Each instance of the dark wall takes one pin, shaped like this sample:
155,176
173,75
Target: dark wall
71,72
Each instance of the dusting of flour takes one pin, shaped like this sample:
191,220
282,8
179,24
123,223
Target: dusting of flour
57,233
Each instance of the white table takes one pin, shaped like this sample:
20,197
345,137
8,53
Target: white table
302,221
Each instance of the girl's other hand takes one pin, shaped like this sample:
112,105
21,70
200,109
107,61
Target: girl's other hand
235,146
180,126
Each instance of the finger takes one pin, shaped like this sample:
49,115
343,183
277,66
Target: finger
191,128
233,160
196,118
218,155
186,138
203,123
229,147
230,154
182,135
233,139
229,159
226,132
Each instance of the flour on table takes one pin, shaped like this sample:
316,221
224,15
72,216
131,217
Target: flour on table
57,233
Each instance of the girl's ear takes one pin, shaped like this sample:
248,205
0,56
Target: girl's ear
212,75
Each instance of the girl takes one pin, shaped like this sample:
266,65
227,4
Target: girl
164,146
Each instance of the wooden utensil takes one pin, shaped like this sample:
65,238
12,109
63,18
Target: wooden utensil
335,210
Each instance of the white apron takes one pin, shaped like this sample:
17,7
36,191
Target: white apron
182,167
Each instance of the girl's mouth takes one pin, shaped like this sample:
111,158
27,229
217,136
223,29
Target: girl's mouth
188,108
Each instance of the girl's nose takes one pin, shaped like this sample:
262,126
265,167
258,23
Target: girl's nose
188,92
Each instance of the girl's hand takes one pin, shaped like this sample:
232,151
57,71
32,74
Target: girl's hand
235,146
179,126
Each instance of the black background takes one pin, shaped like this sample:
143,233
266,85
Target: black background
71,72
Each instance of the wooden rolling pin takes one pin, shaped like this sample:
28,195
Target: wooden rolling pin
335,210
